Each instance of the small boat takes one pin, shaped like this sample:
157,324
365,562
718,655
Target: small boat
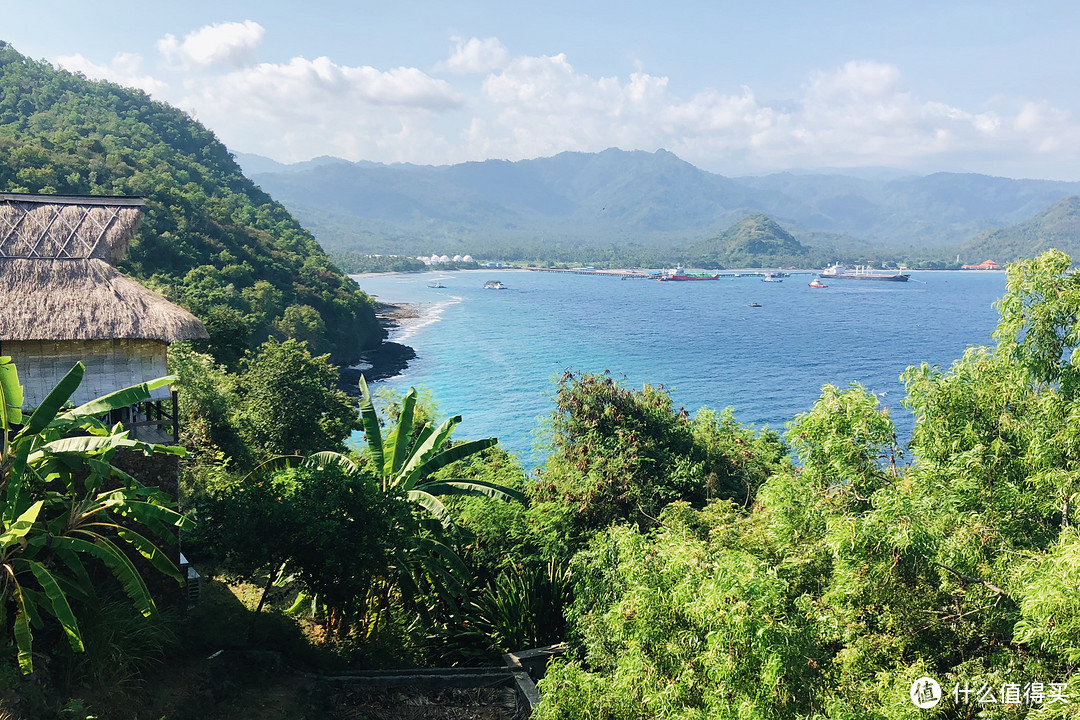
816,283
755,304
773,277
494,285
436,285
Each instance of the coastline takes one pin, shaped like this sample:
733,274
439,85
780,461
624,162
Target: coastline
388,359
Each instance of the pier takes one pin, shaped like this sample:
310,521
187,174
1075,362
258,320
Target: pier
625,274
643,275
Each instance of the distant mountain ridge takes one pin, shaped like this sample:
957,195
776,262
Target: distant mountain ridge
1057,226
633,197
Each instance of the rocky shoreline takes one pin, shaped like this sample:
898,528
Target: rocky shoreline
388,359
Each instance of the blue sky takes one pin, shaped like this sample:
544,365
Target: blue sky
735,88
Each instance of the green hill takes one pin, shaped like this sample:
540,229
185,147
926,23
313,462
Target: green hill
634,205
210,239
755,241
1058,226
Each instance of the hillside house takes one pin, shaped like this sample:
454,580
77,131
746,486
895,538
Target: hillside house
62,300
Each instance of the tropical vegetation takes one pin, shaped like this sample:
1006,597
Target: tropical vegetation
64,504
693,566
210,239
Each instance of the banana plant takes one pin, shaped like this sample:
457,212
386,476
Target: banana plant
408,457
404,462
62,503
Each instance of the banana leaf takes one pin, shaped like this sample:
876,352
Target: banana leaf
401,437
441,460
433,505
151,552
59,603
326,458
372,430
145,512
121,398
46,412
24,639
11,394
121,567
25,522
475,488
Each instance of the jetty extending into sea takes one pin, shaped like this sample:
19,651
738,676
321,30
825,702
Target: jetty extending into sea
653,275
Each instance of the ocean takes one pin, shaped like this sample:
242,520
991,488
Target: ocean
493,356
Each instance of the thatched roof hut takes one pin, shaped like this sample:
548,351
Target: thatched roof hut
61,299
67,226
84,299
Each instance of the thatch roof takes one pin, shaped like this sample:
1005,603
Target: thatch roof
67,226
57,281
84,300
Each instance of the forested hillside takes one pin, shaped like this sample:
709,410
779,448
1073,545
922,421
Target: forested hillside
1057,226
210,239
755,241
637,205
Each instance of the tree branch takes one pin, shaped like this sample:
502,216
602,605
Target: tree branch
973,579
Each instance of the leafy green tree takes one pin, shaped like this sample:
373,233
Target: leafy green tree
304,324
328,524
62,502
685,623
289,403
1039,326
845,581
620,455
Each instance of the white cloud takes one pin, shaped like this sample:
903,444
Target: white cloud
124,69
474,56
860,113
230,43
310,88
305,108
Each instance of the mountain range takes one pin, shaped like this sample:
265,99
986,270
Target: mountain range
635,198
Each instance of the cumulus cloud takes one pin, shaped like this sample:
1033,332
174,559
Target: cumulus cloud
490,104
306,88
858,114
231,43
124,69
474,56
303,108
544,105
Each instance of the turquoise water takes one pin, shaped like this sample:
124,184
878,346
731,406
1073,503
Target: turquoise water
492,355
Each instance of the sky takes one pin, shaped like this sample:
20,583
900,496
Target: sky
735,88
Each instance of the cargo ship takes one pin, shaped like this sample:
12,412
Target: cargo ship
680,274
859,272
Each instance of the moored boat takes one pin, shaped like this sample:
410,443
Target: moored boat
678,274
860,272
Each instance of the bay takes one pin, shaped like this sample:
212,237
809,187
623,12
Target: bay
493,356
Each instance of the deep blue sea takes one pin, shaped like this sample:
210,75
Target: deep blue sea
493,356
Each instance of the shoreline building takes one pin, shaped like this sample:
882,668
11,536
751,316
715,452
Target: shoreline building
62,300
984,265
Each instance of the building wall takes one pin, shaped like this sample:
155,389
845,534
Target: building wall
110,366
